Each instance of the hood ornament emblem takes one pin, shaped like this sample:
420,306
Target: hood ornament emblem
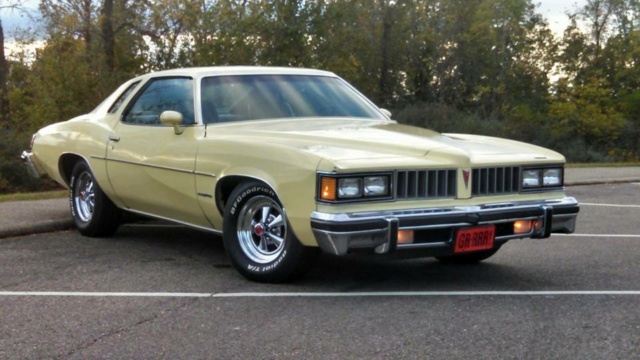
465,175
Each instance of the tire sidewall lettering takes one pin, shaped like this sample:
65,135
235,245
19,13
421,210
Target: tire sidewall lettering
72,204
237,202
258,268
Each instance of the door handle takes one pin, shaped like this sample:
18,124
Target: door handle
114,138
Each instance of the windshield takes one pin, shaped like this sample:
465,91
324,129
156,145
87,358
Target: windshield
255,97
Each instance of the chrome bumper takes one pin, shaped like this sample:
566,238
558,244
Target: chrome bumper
26,158
341,233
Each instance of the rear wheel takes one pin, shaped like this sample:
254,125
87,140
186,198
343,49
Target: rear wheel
93,213
470,258
258,237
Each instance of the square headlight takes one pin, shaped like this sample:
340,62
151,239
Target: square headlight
349,188
552,177
376,185
531,178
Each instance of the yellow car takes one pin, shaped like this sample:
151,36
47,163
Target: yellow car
284,162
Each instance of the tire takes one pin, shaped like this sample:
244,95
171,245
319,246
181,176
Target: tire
471,258
93,213
258,238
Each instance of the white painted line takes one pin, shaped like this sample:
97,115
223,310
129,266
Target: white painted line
103,294
428,293
319,294
611,205
600,235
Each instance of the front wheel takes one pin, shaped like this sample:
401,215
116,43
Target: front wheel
258,238
93,213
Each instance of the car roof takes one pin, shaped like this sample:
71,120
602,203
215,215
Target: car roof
238,70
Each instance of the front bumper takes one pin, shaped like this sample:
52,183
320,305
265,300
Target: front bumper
435,228
27,158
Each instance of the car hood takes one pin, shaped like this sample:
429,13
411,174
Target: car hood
353,140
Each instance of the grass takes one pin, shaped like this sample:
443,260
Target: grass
594,165
34,196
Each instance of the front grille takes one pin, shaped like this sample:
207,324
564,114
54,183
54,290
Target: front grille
426,184
495,180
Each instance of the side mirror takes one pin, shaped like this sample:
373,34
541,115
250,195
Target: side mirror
172,118
386,112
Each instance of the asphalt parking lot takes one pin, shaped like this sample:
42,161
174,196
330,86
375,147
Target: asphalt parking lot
170,292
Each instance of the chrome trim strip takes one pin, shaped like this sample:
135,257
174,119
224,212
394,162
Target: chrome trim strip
423,245
204,174
373,215
358,232
151,166
156,166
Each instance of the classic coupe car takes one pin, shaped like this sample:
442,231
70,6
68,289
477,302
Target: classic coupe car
284,162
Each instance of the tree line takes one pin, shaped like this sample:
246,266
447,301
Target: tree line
482,66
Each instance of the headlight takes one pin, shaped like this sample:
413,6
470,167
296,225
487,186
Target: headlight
349,188
376,186
552,177
337,188
531,178
541,178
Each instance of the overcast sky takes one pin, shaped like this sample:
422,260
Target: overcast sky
553,10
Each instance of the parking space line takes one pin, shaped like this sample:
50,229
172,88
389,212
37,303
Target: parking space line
318,294
600,235
611,205
103,294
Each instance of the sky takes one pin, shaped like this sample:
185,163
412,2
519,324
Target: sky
553,10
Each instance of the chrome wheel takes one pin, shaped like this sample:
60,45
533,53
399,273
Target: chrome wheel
262,229
84,196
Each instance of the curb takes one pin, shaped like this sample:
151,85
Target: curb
36,228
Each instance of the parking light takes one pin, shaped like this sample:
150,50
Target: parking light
405,236
328,188
522,226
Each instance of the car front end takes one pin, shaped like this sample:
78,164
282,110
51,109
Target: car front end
448,203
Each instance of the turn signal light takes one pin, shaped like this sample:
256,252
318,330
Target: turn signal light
537,225
405,236
328,188
522,227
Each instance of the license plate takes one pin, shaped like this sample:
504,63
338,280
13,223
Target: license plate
475,239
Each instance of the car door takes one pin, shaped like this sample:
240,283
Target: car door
150,166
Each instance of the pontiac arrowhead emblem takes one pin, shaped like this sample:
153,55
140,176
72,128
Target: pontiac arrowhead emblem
465,174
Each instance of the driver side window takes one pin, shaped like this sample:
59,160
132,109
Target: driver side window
158,96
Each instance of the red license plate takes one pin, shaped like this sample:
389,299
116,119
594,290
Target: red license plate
475,239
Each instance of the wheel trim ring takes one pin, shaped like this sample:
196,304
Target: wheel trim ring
84,196
250,218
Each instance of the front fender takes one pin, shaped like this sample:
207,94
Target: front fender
289,172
